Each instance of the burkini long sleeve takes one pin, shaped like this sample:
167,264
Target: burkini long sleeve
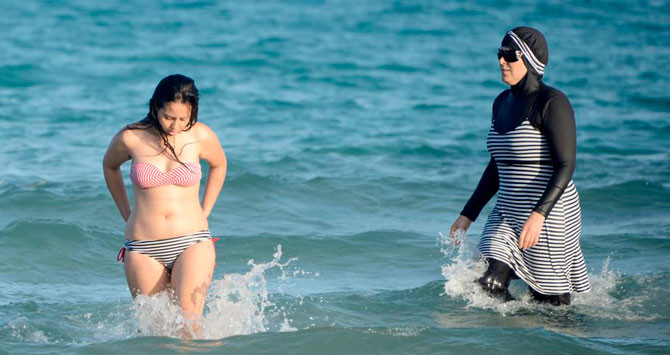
558,126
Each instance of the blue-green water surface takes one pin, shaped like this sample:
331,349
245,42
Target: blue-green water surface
355,132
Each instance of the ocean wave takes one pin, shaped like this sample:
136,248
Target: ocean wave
403,68
638,196
437,32
20,76
249,181
654,103
418,150
41,201
360,81
430,107
55,251
278,104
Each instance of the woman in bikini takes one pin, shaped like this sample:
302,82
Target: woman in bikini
168,244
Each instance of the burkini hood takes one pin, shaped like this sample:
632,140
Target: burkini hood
532,44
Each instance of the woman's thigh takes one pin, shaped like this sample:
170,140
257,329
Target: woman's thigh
145,275
191,276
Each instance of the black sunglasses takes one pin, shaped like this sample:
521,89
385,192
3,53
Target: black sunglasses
510,55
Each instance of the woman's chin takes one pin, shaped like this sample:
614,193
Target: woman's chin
507,79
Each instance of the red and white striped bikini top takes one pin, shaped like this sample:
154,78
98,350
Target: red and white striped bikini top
146,175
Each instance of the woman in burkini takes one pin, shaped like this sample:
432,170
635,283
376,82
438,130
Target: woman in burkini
533,231
168,244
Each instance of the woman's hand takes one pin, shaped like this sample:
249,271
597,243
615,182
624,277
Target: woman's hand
530,233
461,222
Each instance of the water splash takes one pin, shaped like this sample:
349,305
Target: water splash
23,330
449,245
158,315
238,304
404,332
465,268
110,323
602,302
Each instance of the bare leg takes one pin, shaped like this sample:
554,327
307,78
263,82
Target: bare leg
191,276
145,275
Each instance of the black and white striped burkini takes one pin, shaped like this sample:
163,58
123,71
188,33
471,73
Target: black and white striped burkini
166,251
555,265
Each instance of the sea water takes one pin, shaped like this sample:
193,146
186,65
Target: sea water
355,132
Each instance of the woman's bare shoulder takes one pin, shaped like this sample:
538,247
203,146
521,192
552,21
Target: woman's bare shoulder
131,133
202,131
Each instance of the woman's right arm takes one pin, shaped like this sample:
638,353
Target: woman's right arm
486,189
117,153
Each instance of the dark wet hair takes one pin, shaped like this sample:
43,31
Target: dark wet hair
172,88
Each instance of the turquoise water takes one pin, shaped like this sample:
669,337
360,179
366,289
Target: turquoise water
355,131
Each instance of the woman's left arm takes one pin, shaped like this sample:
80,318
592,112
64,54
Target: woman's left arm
558,126
213,154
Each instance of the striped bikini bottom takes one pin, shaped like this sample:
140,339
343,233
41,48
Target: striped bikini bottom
165,251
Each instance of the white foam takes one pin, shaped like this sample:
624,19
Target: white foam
601,303
238,304
22,330
466,266
158,315
398,331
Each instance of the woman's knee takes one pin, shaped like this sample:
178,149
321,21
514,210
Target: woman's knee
191,276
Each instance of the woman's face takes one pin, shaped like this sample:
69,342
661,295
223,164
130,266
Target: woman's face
174,117
512,72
